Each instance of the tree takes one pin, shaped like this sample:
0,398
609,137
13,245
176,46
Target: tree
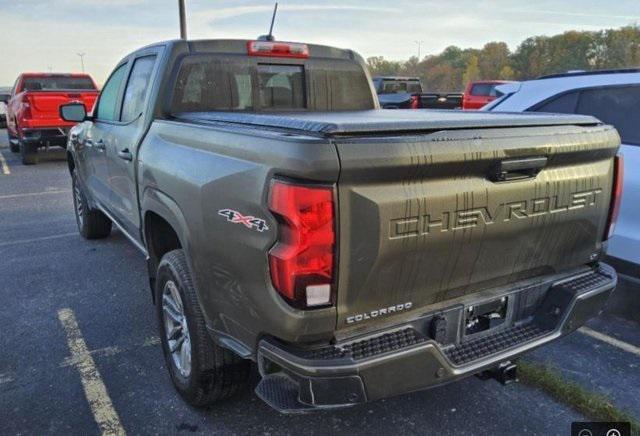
506,73
379,66
472,72
451,69
493,57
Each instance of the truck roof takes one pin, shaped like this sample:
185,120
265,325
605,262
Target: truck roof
239,46
386,121
35,74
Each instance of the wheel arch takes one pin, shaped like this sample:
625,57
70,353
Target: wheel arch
163,228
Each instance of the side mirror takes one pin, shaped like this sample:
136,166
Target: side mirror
75,112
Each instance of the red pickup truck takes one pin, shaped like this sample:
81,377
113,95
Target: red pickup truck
480,93
33,118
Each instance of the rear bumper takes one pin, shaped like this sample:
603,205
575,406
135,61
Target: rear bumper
407,358
43,136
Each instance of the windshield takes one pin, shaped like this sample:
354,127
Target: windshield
54,83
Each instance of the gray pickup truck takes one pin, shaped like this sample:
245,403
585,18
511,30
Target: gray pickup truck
353,253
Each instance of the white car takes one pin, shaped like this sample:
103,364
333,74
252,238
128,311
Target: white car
613,96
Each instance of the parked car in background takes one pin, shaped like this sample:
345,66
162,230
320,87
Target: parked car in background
406,93
613,96
5,93
33,118
353,253
3,110
395,92
479,93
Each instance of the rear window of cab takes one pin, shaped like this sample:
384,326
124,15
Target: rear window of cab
55,83
236,83
484,89
390,86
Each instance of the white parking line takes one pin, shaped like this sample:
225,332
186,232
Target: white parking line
43,238
31,194
611,340
5,378
4,165
94,389
111,351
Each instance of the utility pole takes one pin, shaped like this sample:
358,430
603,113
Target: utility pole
419,45
183,20
81,60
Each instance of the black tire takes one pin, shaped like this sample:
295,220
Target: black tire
215,373
13,143
29,153
92,223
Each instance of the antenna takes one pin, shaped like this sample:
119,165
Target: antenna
270,36
273,19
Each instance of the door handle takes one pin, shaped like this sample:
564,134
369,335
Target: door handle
100,145
125,154
518,169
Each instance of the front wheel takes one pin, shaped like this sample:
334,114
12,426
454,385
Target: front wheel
201,371
92,223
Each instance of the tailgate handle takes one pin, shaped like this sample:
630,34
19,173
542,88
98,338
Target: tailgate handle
518,169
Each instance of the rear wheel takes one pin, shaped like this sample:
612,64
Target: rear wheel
14,146
29,153
92,223
201,371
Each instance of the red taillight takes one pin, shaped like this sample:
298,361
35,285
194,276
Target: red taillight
302,260
277,49
25,114
616,195
414,103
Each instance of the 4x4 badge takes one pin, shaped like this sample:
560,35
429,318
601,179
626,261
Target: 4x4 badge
248,221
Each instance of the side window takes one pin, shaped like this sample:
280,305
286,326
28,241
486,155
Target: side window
212,84
109,95
563,104
137,87
617,106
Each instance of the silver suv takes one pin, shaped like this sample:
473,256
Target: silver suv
613,96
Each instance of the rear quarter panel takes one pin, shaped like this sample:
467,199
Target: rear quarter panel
201,170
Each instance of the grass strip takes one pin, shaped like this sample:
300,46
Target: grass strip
595,406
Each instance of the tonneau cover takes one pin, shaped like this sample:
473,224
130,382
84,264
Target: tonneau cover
384,120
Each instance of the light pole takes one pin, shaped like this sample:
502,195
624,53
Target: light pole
183,19
419,44
81,60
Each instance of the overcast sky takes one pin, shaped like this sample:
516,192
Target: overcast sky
39,35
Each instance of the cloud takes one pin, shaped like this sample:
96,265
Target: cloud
212,15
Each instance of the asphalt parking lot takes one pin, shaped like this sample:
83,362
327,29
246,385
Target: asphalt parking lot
59,291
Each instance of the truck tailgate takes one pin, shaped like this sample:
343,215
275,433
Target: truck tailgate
45,105
424,218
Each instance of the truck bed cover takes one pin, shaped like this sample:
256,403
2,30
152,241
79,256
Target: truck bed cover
386,121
